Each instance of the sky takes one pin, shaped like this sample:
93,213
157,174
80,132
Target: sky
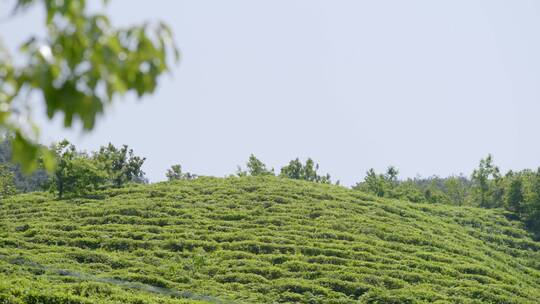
427,86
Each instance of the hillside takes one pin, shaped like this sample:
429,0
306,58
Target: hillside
259,240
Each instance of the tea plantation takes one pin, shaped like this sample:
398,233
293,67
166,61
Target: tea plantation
259,240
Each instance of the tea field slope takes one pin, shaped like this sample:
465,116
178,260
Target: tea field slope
259,240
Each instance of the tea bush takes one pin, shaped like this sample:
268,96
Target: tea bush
259,240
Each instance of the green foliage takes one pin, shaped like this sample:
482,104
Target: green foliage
373,183
260,240
435,196
517,192
486,184
255,167
391,175
406,190
29,155
457,190
120,164
36,181
7,181
175,173
523,198
80,66
76,173
386,185
308,171
514,198
453,190
79,173
487,188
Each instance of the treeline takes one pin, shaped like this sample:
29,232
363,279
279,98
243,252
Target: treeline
515,191
76,172
295,169
80,173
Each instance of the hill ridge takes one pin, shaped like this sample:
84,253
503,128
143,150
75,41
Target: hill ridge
263,239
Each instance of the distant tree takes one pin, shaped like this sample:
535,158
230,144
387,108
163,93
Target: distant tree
65,153
456,189
531,215
391,174
255,167
430,190
486,184
373,183
85,176
7,181
382,185
514,197
294,170
435,196
175,173
76,173
390,180
120,164
408,190
497,192
308,171
434,192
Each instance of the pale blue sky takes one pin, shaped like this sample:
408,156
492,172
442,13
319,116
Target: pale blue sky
428,86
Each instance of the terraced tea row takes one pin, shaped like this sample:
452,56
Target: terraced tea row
259,240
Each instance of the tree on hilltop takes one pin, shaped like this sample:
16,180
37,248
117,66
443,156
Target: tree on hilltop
75,173
255,167
308,171
120,164
487,190
175,173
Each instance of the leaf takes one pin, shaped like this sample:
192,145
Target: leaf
86,63
49,159
25,153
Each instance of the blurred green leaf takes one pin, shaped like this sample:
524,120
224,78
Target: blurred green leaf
83,63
